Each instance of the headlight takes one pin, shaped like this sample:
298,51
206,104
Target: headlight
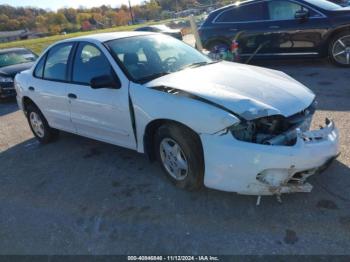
244,131
5,79
272,130
257,131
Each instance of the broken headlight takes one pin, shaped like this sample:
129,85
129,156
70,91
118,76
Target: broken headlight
260,130
273,130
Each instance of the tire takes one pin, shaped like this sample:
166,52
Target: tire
339,49
190,153
37,122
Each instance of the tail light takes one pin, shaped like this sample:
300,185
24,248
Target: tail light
234,46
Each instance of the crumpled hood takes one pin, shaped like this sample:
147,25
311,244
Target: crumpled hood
15,69
248,91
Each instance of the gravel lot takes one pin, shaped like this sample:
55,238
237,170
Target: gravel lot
79,196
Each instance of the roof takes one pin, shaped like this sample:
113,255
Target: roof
104,37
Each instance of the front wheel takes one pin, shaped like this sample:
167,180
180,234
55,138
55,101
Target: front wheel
179,153
39,126
339,49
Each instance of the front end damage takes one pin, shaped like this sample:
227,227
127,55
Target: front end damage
269,156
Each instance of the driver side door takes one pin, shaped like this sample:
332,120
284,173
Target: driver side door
102,114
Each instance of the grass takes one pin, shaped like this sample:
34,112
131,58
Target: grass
39,44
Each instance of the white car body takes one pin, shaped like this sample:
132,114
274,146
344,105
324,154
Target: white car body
208,100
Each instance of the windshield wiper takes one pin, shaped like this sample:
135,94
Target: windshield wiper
152,77
198,64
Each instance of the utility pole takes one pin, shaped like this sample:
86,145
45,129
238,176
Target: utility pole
131,14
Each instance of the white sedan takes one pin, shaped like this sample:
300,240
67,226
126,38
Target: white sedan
224,125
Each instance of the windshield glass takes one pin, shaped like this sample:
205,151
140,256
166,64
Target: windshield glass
16,57
324,4
148,57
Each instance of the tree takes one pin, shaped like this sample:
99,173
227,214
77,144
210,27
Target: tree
81,17
152,10
55,29
86,25
70,14
122,17
3,22
41,23
13,24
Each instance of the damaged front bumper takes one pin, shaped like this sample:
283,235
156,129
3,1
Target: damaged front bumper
256,169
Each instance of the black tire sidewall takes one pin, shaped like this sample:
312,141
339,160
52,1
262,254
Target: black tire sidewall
48,132
190,148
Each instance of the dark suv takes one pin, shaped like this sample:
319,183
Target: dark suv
282,28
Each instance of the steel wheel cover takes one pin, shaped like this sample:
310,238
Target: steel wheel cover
37,124
173,159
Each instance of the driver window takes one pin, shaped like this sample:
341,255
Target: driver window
283,10
90,62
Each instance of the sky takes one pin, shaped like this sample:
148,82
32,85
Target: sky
56,4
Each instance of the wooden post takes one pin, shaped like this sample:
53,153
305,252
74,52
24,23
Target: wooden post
195,32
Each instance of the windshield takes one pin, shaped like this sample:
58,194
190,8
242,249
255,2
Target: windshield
148,57
324,4
16,57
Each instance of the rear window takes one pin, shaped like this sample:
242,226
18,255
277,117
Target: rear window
244,13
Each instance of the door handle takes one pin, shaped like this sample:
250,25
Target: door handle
72,96
274,27
233,29
31,88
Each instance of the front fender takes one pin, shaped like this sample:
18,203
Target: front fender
150,105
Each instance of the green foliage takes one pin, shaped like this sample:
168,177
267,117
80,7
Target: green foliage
40,44
70,19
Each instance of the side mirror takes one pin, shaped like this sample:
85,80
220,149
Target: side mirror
302,14
104,81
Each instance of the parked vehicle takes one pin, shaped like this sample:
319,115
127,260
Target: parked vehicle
13,61
341,2
161,29
228,126
282,28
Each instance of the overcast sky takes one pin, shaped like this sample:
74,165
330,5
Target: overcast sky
56,4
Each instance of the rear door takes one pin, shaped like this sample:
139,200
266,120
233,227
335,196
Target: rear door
294,36
103,113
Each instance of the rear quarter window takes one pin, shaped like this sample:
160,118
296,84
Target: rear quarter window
39,69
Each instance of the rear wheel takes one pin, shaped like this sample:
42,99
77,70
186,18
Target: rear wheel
179,153
339,49
39,126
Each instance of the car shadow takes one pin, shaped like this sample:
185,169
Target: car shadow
8,106
330,83
76,157
95,190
